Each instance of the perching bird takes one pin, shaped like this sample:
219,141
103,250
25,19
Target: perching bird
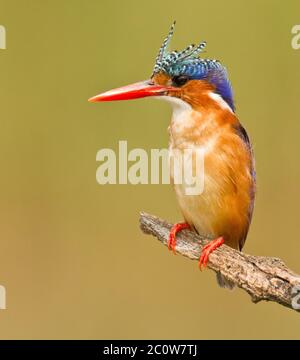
203,118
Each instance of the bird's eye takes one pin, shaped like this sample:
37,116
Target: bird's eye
180,80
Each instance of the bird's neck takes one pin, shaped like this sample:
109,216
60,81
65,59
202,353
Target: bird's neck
196,125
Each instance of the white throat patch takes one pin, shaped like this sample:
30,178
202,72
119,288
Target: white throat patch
181,110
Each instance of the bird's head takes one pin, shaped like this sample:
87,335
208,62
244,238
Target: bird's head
180,75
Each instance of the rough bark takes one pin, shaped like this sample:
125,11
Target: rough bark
264,278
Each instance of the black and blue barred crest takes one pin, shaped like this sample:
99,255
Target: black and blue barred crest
187,62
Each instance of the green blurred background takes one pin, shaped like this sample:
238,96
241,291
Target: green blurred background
72,258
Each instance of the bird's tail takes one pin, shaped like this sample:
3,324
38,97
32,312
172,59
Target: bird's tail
224,283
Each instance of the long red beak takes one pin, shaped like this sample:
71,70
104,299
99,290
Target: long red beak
133,91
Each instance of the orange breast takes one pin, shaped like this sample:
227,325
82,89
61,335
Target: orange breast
225,206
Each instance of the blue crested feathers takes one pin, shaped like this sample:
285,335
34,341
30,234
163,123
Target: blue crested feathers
187,62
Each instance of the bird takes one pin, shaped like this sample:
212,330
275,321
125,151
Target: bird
203,118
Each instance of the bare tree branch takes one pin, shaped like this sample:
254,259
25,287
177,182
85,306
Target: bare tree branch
264,278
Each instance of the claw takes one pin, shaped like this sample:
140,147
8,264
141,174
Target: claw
172,237
208,249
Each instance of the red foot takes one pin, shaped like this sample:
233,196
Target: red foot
208,249
172,237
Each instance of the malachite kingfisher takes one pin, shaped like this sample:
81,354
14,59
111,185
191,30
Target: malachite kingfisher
203,118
